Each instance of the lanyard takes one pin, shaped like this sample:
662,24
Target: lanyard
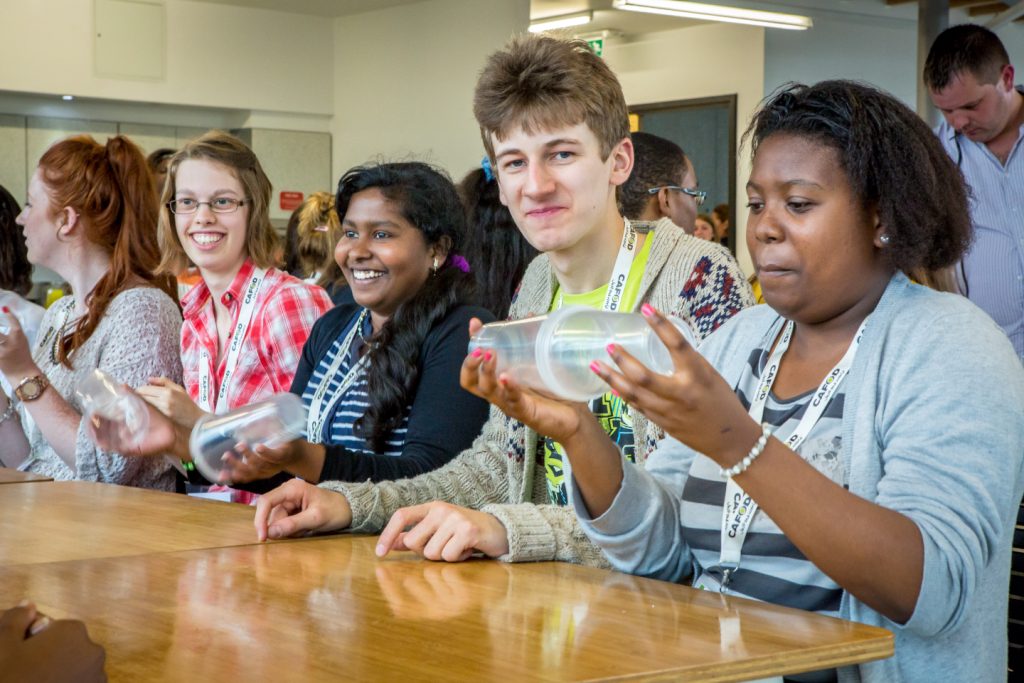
234,350
620,273
738,509
318,412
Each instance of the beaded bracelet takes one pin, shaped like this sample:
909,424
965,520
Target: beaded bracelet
758,449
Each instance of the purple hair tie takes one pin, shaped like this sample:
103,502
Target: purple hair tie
459,262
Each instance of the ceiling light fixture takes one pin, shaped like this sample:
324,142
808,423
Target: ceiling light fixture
704,12
67,98
561,21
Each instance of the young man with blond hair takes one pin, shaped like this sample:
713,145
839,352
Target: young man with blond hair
555,126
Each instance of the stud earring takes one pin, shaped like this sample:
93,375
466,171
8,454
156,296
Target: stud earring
885,239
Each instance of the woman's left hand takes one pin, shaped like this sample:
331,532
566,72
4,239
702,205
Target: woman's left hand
15,354
172,400
694,404
245,464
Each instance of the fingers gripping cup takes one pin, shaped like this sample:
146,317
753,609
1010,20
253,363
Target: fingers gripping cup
101,395
272,423
553,353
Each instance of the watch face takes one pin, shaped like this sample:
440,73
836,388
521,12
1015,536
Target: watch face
30,389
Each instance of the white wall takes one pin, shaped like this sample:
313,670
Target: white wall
404,80
879,50
699,61
218,56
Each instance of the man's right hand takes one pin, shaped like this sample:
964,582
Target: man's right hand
297,508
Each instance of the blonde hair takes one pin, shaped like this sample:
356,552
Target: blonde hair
317,233
542,83
227,150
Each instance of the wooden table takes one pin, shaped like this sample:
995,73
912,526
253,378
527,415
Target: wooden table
75,520
327,609
12,476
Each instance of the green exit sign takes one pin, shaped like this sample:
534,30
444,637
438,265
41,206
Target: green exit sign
596,45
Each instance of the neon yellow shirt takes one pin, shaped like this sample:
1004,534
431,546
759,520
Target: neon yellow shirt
610,410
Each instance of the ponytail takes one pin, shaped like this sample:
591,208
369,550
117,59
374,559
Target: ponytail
112,189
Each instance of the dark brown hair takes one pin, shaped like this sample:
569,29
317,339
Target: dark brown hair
964,48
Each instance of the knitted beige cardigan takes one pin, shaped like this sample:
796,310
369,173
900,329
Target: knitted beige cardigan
685,276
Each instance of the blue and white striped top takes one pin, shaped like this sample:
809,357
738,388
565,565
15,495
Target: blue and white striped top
994,264
771,568
338,425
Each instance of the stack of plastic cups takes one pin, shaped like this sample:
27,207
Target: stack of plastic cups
271,423
553,352
102,395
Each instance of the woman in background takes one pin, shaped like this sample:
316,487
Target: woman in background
89,217
317,232
16,271
495,249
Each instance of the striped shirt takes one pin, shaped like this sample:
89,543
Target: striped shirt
993,267
771,568
353,404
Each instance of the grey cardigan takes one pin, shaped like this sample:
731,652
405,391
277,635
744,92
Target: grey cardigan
686,276
933,428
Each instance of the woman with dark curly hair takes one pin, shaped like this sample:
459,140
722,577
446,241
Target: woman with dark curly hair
855,446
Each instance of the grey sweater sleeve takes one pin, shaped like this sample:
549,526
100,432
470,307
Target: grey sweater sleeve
475,477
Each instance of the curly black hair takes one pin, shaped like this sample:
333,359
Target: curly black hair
426,198
893,161
15,269
495,248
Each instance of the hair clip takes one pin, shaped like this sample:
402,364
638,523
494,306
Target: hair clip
320,228
485,164
459,262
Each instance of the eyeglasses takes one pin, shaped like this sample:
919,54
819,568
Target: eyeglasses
698,195
217,205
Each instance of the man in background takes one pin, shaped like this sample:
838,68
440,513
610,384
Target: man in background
970,79
663,184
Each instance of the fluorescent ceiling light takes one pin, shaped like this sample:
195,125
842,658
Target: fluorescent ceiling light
561,21
67,98
704,12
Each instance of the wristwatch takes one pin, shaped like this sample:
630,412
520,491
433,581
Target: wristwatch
31,388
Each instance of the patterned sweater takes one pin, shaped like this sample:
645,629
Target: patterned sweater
685,276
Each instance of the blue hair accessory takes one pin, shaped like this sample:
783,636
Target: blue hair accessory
485,164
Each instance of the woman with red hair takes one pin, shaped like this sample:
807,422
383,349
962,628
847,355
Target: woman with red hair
89,217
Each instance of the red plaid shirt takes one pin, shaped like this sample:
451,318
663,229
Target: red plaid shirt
285,312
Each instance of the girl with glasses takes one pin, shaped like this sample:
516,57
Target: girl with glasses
215,213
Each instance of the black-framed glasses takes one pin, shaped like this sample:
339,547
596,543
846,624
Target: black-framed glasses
217,205
698,195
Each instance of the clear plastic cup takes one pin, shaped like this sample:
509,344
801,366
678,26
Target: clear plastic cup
102,395
554,352
574,337
515,344
272,423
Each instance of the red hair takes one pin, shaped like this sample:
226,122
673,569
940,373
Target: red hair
111,188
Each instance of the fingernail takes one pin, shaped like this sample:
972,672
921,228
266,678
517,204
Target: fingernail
615,394
503,381
6,310
40,624
380,550
596,368
647,310
477,353
488,356
25,603
610,349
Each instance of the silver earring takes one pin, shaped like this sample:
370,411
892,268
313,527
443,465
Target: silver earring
885,239
435,265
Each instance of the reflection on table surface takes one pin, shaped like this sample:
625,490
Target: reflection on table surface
74,520
327,608
12,476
